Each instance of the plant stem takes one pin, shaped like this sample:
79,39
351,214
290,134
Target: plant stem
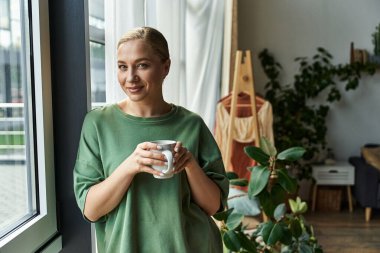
238,196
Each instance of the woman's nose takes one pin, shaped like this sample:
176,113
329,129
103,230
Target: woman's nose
132,77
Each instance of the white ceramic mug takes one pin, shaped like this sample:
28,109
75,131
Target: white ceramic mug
167,148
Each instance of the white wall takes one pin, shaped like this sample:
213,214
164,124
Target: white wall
292,28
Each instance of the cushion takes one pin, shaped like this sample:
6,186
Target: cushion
372,156
242,204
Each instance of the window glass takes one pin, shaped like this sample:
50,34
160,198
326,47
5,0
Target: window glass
17,168
98,82
97,56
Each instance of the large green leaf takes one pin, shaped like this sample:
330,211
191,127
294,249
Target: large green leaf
258,231
239,182
231,240
248,245
286,236
293,206
267,147
278,194
266,230
232,175
295,228
279,212
222,216
275,234
304,248
269,201
291,154
234,220
257,154
258,181
266,202
288,183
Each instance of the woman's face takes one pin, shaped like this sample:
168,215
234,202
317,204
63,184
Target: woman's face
140,71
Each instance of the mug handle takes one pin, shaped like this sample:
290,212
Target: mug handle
169,157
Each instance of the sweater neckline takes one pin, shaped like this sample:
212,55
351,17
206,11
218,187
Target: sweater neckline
163,117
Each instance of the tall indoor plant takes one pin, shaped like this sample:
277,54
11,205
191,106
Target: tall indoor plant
300,108
284,231
376,41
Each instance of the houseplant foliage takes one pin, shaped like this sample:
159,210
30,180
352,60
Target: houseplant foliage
300,109
375,58
270,182
376,41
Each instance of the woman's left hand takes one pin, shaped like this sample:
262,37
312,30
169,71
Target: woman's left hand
182,157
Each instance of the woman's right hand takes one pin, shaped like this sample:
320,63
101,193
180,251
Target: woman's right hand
143,158
103,197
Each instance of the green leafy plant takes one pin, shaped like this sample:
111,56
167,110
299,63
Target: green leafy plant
284,231
300,109
376,41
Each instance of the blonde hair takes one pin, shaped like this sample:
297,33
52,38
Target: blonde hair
151,36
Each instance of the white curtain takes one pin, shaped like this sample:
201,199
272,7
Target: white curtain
119,17
194,30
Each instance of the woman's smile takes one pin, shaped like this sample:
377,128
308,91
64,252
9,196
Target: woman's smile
135,89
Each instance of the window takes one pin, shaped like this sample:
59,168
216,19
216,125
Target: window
17,177
27,197
97,55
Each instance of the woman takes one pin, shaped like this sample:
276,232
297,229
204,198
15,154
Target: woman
113,179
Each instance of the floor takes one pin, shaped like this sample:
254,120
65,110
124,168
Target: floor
341,232
346,232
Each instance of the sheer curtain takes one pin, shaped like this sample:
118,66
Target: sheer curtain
194,30
119,17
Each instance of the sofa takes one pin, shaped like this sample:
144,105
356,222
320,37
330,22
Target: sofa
367,180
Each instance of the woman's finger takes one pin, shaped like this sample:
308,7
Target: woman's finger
148,146
178,155
178,146
181,163
151,154
149,170
150,161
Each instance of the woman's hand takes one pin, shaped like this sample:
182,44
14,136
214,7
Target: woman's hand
204,191
103,197
181,157
143,158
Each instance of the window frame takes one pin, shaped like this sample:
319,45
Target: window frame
42,228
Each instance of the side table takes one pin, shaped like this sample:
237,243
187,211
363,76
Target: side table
340,173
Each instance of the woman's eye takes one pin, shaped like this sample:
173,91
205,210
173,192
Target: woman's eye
122,67
142,65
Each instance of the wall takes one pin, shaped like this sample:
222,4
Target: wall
292,28
70,81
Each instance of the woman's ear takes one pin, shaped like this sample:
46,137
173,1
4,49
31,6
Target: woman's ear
166,67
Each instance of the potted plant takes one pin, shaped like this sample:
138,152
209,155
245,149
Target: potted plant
376,46
285,230
300,109
376,41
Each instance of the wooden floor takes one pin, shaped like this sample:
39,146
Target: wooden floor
346,232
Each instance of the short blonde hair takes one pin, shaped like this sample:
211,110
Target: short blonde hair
151,36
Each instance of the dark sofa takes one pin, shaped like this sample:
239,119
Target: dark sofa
367,183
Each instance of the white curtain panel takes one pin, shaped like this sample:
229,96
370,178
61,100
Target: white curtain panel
204,41
119,17
194,30
168,16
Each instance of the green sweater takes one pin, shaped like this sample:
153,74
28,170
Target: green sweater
155,215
